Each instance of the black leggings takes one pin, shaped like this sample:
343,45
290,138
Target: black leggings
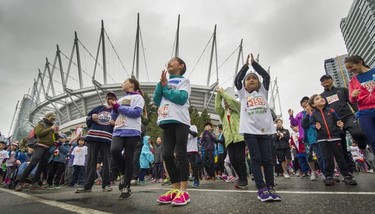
124,162
175,140
236,153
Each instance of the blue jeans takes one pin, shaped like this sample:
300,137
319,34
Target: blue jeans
303,163
260,148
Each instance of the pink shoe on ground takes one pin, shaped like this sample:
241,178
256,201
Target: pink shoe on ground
168,197
181,199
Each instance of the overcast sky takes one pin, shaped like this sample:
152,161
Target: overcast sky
293,37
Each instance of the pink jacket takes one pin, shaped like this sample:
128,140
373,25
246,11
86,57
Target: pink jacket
365,99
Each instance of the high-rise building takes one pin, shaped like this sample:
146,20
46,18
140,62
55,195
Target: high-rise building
336,68
358,30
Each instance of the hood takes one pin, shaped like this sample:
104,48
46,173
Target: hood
145,140
257,76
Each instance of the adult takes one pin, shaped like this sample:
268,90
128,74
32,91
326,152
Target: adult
338,99
99,139
46,133
361,91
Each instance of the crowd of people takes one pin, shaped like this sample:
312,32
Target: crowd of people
332,135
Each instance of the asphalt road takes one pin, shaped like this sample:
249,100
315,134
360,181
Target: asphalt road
298,196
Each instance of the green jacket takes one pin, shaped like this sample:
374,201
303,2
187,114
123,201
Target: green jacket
45,133
230,130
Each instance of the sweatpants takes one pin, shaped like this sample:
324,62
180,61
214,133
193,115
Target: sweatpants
94,148
333,150
40,158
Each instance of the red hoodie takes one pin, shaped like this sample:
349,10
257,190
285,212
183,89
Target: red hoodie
365,99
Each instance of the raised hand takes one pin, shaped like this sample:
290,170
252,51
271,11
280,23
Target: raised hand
163,78
290,112
318,126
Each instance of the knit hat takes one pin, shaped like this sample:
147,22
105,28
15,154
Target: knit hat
50,115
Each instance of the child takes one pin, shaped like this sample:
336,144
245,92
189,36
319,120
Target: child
57,162
193,155
158,164
281,140
145,160
127,112
11,162
172,98
327,123
297,142
257,126
3,157
358,157
208,141
79,154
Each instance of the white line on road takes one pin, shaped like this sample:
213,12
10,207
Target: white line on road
61,205
278,191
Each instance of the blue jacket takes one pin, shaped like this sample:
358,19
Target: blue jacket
146,157
62,153
310,130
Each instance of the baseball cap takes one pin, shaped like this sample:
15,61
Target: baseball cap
325,77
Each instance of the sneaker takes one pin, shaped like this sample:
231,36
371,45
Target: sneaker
196,184
166,181
230,179
35,187
50,187
182,198
98,182
241,183
125,193
153,180
303,176
273,193
56,186
160,180
168,197
370,171
224,177
329,181
107,188
286,175
313,176
122,182
82,190
132,182
350,181
264,195
19,187
141,183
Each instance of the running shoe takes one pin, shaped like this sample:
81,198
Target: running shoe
82,190
168,197
350,181
274,195
125,193
182,198
264,195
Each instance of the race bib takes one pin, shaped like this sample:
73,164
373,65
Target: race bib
256,105
332,98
